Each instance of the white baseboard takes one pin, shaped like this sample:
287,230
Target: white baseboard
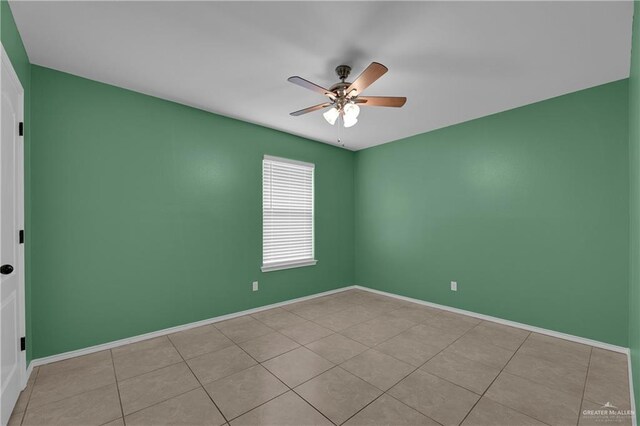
570,337
133,339
634,420
28,374
539,330
146,336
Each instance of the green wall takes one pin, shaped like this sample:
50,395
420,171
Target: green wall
148,214
527,209
12,43
634,203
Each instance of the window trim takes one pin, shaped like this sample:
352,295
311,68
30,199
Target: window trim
288,160
277,266
288,265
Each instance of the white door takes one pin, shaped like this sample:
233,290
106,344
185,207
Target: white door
12,359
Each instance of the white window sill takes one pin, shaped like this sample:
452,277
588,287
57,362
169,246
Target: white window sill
288,265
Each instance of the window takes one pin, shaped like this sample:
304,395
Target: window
287,214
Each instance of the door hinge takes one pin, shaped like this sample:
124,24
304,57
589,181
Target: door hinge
23,343
21,236
21,129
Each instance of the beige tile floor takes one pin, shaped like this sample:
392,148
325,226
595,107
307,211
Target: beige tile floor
353,358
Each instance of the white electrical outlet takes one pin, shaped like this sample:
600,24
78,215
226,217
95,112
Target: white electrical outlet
454,286
255,286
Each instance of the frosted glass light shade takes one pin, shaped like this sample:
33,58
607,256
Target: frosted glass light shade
349,120
331,116
351,110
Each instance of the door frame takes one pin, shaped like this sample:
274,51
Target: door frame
5,62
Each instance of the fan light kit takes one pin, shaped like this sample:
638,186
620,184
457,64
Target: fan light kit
345,99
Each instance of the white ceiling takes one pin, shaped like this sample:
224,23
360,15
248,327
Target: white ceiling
454,61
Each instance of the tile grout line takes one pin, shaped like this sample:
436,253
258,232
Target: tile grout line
147,372
26,407
380,314
166,366
481,321
525,378
407,329
391,396
198,380
160,402
496,378
308,402
410,373
532,381
447,347
517,411
201,384
424,322
340,311
584,388
591,348
76,395
363,304
549,387
113,364
286,385
413,371
360,343
391,337
334,365
479,362
237,344
69,396
303,319
300,384
354,340
315,321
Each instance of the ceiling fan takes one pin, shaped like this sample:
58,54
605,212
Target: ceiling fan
344,97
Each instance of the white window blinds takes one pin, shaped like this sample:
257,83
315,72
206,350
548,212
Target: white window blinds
287,214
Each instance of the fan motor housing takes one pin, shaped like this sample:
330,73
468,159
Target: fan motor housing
340,88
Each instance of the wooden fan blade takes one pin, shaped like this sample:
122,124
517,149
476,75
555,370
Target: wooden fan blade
368,76
311,86
383,101
310,109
